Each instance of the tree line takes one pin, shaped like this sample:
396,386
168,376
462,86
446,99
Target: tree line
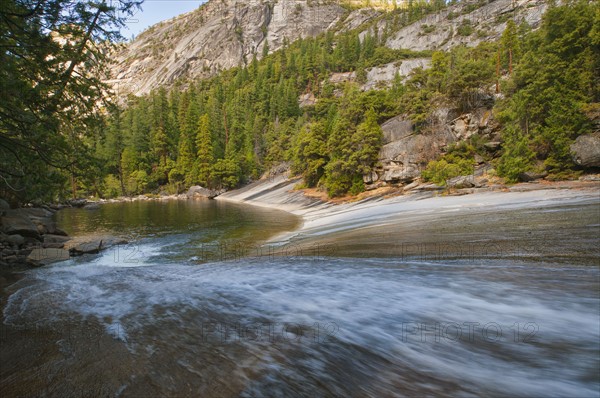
228,130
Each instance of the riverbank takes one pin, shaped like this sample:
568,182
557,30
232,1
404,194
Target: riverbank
415,223
515,274
30,237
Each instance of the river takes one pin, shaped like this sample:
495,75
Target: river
197,305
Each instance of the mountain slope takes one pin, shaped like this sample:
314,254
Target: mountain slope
220,35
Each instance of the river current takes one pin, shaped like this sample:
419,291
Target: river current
197,305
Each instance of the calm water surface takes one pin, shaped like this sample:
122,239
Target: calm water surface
195,306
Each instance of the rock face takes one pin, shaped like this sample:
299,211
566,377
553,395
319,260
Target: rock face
405,152
307,99
383,76
221,34
396,129
586,150
457,25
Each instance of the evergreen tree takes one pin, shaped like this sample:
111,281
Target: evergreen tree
205,158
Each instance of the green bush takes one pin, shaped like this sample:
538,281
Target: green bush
465,28
439,171
112,186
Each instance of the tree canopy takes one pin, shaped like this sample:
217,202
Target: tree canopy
51,69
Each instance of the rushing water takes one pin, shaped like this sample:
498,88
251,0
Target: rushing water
195,306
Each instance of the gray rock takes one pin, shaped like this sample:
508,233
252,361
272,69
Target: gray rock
87,247
219,35
11,259
396,129
412,185
371,178
44,256
93,245
586,150
198,191
342,77
428,187
92,206
307,99
50,238
53,245
4,205
16,240
77,202
401,174
590,178
416,148
531,176
16,223
461,182
383,76
54,230
39,212
492,145
483,19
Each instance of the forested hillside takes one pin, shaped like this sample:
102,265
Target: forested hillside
222,132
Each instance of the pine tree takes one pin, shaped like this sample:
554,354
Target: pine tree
204,160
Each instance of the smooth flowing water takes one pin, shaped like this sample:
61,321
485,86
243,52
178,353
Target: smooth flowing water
196,306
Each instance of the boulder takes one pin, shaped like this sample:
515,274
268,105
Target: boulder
586,150
15,223
4,205
461,182
87,247
92,245
16,240
55,241
54,230
38,212
401,173
77,202
198,191
11,259
50,238
371,178
531,176
44,256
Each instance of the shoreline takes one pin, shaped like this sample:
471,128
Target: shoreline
318,217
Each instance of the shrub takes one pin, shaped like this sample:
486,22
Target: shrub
112,186
449,166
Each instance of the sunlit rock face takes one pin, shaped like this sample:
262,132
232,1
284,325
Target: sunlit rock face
217,36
